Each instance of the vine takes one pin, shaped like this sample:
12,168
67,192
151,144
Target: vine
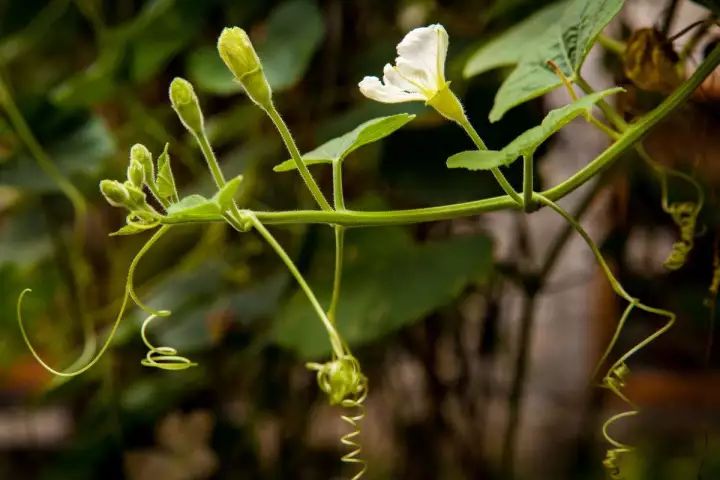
418,75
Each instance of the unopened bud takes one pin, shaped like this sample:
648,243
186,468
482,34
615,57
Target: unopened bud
115,193
186,105
136,174
139,153
238,53
136,195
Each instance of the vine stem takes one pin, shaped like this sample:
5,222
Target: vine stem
79,267
297,158
634,133
616,286
116,323
335,341
499,176
339,199
528,182
214,166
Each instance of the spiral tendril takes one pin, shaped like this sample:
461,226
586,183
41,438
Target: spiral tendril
344,383
164,358
685,215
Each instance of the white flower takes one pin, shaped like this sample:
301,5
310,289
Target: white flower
419,71
418,74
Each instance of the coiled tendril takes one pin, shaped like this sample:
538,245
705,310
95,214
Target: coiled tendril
164,358
345,385
615,381
685,215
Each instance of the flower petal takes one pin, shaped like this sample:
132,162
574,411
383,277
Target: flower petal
395,78
374,89
425,49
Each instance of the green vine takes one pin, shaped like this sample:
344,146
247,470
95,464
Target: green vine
341,378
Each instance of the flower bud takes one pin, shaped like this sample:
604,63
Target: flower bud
186,105
115,193
238,53
137,199
139,153
136,174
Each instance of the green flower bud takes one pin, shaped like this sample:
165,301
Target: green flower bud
186,105
238,53
139,153
115,193
136,195
136,174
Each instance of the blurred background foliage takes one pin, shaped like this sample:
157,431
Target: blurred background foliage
90,79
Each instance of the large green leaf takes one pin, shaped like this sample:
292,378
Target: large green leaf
566,43
294,32
389,282
337,149
507,49
529,141
80,151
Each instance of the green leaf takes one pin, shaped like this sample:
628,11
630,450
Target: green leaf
193,206
295,30
224,197
79,151
566,43
508,48
477,159
165,181
153,46
385,288
529,141
338,148
132,230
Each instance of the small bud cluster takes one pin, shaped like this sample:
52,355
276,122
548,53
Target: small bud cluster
130,194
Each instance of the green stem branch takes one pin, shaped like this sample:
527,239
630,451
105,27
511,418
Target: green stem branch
499,176
335,341
297,158
528,182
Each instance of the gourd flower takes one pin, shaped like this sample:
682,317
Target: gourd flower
418,74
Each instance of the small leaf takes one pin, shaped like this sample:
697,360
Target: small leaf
132,230
193,206
529,141
477,159
165,180
338,148
567,43
508,48
224,197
